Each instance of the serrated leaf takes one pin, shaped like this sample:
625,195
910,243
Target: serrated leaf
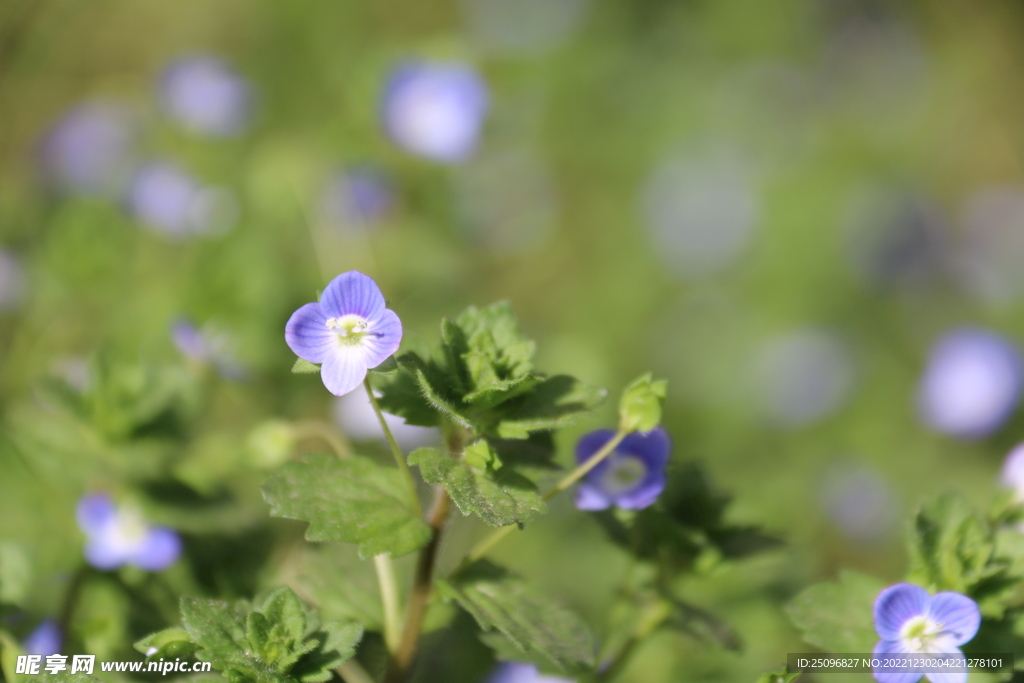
304,367
335,643
219,628
836,616
351,500
499,497
640,405
537,625
554,403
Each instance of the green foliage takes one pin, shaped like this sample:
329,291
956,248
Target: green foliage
685,525
481,377
836,616
542,630
275,639
15,572
953,547
783,675
640,405
304,367
167,644
350,500
479,485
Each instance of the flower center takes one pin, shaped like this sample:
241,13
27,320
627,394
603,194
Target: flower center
920,633
624,472
127,530
349,329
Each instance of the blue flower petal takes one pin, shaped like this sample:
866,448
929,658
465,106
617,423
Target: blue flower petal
45,640
382,339
94,512
895,605
343,370
159,550
352,293
591,443
958,614
307,334
591,498
102,554
645,493
893,647
650,448
950,676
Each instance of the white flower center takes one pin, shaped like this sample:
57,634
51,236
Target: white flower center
127,530
921,634
349,328
623,474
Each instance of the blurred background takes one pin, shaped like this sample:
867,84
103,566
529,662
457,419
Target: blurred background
807,214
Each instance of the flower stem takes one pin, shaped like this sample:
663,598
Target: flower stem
422,586
484,546
389,599
650,619
317,429
395,450
353,672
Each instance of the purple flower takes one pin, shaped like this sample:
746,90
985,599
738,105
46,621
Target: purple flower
512,672
45,640
356,198
972,383
206,346
1012,475
206,96
349,331
436,109
171,201
631,478
118,536
912,622
91,149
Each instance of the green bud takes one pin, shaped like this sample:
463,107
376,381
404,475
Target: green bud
270,444
640,407
480,455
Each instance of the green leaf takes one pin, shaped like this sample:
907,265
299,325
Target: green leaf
499,497
304,367
351,500
953,547
388,367
837,616
783,675
539,627
15,573
640,405
275,640
554,403
169,643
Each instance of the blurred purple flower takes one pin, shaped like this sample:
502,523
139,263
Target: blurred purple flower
12,281
859,501
435,109
349,331
45,640
206,96
912,622
1012,475
631,478
169,200
512,672
116,536
91,149
206,346
356,198
972,383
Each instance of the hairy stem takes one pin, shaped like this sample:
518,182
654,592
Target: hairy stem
403,467
389,599
485,545
421,588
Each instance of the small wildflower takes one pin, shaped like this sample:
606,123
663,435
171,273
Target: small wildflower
349,331
45,640
512,672
355,199
631,478
206,346
117,536
91,149
972,383
1012,475
912,622
169,200
435,109
206,96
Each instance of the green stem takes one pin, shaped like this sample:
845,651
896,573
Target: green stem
395,450
650,619
389,599
484,546
353,672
